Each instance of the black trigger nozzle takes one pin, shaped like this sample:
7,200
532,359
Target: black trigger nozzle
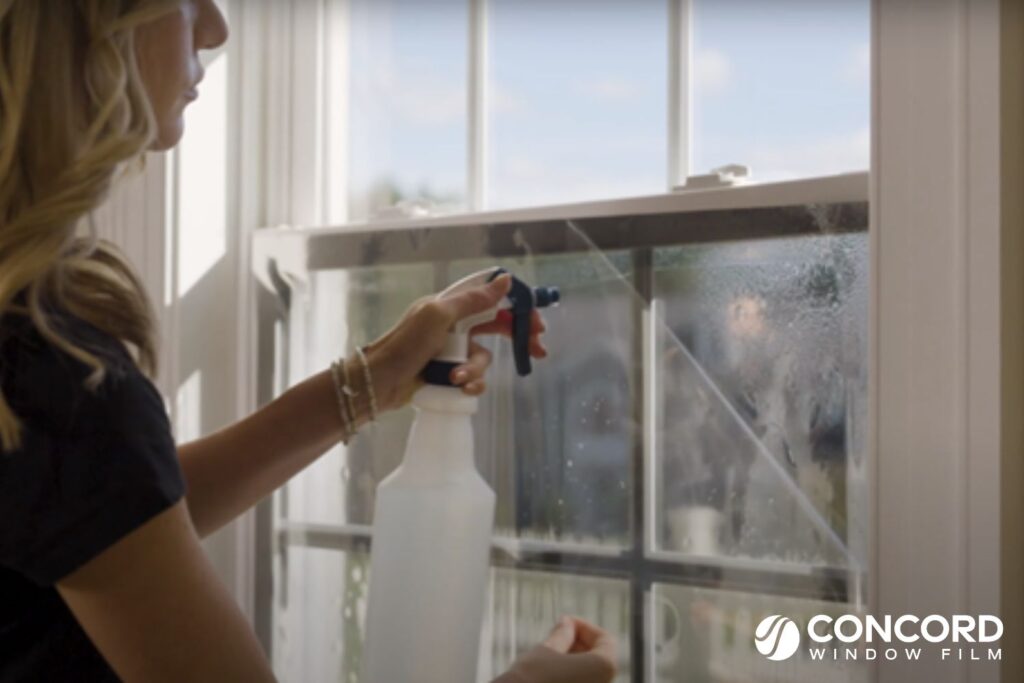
546,296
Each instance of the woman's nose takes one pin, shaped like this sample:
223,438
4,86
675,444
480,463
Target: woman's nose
211,28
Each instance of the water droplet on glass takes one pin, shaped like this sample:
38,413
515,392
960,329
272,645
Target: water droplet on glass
568,463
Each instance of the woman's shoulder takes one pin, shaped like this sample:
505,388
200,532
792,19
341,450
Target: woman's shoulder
92,465
44,383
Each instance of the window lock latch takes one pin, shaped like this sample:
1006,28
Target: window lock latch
723,176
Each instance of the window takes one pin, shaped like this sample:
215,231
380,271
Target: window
693,455
781,87
462,105
407,134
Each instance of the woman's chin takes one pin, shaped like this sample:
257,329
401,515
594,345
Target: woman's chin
169,135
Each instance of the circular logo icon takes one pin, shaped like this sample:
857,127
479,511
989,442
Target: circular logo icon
777,637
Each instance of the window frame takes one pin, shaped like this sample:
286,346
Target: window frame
285,258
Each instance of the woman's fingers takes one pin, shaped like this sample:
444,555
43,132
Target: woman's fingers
478,299
562,636
470,374
590,638
502,325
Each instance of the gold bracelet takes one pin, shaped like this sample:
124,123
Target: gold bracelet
339,389
369,383
350,394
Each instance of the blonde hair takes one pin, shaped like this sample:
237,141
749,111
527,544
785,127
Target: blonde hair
74,113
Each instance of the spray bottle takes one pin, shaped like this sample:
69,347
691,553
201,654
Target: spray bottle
434,517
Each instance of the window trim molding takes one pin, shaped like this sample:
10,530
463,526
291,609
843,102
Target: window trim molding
941,527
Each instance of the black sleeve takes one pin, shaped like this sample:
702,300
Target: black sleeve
92,468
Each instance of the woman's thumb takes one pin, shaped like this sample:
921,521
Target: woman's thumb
562,636
479,299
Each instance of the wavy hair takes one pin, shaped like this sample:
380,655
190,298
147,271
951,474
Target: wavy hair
74,116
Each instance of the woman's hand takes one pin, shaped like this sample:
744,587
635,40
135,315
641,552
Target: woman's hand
397,359
574,652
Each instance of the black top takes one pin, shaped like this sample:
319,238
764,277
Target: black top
92,467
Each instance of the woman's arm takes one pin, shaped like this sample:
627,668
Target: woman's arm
232,469
155,609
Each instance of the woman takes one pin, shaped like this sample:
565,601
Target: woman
101,572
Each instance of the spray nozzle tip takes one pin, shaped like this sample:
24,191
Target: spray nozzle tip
546,296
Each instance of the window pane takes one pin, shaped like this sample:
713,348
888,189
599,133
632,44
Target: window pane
408,103
708,635
524,605
320,614
578,100
783,87
557,446
346,308
763,367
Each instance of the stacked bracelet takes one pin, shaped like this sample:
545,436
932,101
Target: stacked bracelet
339,387
350,395
346,395
369,383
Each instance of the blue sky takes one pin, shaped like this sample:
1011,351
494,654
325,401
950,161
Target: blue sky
578,93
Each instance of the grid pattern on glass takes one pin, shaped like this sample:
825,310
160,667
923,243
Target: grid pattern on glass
781,87
708,635
763,385
320,614
578,100
407,128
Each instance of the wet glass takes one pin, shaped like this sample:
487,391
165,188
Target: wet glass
320,614
700,420
557,446
761,367
708,635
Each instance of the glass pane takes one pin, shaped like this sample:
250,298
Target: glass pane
346,308
407,132
320,613
524,605
763,367
557,446
783,87
578,100
708,636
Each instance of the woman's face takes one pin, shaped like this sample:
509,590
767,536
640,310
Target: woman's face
167,50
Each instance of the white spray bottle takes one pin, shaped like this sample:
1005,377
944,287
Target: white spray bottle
433,520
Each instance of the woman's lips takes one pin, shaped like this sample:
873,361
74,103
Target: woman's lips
191,94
